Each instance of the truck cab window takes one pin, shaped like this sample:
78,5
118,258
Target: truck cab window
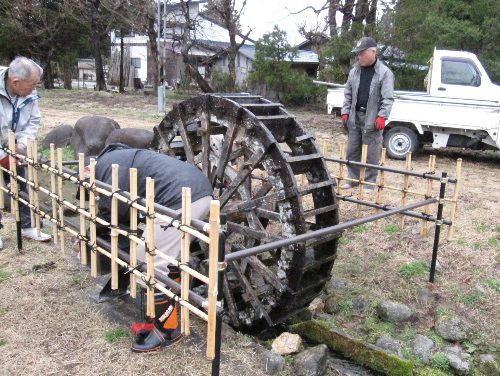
454,72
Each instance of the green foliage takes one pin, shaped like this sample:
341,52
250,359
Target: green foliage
4,274
460,242
67,153
3,342
113,335
471,299
493,241
343,240
439,361
361,228
273,68
391,229
412,269
222,82
481,227
493,284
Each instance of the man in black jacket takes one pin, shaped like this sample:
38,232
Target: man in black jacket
170,176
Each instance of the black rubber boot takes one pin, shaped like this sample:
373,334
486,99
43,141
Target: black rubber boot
166,329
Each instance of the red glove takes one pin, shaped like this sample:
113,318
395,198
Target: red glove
379,123
344,120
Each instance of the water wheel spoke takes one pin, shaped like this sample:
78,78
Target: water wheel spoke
229,298
251,294
188,149
225,153
267,274
242,175
249,232
205,143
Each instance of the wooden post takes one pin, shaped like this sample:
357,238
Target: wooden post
381,179
325,149
133,230
458,175
53,191
428,194
60,196
93,230
150,246
114,225
406,184
341,168
213,249
185,246
83,230
36,182
302,180
31,200
362,173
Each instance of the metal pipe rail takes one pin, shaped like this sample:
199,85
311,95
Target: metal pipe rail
325,231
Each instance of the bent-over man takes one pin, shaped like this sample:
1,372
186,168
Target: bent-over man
170,175
368,99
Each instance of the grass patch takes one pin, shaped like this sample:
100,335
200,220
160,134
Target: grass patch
477,245
360,229
67,153
343,240
460,242
497,228
407,334
376,328
471,299
481,228
412,270
391,229
113,335
442,312
4,274
493,284
382,256
439,360
3,341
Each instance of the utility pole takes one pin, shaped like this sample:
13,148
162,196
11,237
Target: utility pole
161,89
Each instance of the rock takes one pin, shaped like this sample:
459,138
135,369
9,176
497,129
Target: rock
272,363
422,346
480,289
323,316
331,305
311,362
90,134
316,305
452,329
335,285
455,360
133,137
59,136
368,355
343,367
359,303
393,312
423,296
287,343
390,345
489,365
439,268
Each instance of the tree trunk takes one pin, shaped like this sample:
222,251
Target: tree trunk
371,18
154,52
67,71
332,13
48,77
122,89
347,11
96,45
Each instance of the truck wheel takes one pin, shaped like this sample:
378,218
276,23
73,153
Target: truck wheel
400,140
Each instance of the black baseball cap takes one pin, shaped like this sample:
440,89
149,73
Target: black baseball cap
364,43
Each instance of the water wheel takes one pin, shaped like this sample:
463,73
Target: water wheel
273,183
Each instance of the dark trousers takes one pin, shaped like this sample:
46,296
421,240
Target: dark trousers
358,137
24,210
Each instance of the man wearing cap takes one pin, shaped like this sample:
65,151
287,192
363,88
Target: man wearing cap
368,99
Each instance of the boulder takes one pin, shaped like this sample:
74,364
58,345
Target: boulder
423,296
90,134
59,136
359,303
390,345
133,137
311,362
455,360
452,329
422,346
393,312
331,304
335,285
287,343
271,363
489,365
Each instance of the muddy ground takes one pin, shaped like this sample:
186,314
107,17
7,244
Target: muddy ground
51,327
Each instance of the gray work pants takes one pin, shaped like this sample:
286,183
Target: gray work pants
357,137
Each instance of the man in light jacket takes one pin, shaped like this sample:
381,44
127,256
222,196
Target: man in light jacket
19,112
368,99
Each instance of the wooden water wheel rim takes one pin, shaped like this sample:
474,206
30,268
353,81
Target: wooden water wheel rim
237,141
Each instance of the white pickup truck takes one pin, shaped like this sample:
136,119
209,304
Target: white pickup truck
460,109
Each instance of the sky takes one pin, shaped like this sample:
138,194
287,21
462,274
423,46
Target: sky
262,15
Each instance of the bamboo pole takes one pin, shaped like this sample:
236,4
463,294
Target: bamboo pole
212,276
36,188
29,154
93,230
458,175
114,227
133,229
341,168
150,247
380,184
60,194
428,193
83,230
53,190
362,173
185,251
325,148
406,184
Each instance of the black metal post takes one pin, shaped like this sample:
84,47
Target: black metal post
439,223
19,234
220,281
